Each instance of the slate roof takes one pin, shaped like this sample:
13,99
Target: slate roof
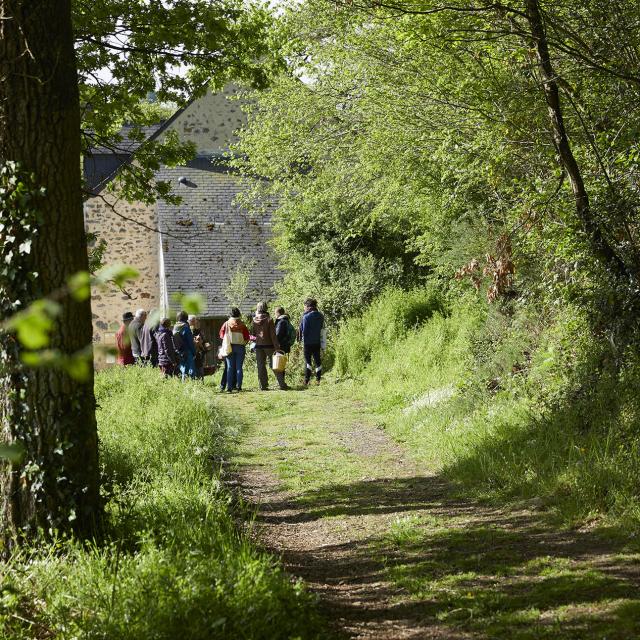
102,162
124,143
208,236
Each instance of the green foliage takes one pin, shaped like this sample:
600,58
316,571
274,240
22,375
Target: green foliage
97,249
19,221
19,224
14,453
34,325
176,50
236,291
383,326
418,141
192,303
173,565
153,111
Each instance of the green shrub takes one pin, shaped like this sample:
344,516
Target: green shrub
383,325
173,564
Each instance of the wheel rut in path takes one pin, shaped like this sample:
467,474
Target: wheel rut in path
332,495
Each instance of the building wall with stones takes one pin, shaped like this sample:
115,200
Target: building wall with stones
210,122
204,240
127,243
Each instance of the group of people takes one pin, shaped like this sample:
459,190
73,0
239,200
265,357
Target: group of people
177,348
180,348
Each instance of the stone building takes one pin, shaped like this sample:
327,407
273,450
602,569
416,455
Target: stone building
196,246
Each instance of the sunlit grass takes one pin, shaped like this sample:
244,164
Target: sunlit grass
173,563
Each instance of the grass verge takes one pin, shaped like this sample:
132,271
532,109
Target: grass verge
174,565
511,405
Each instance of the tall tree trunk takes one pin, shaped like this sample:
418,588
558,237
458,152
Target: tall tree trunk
599,245
57,484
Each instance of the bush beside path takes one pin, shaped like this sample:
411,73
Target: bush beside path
395,551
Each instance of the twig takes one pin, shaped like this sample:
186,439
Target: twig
112,206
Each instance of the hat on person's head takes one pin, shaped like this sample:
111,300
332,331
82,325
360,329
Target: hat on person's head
127,315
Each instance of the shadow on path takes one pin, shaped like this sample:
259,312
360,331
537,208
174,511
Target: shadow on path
401,558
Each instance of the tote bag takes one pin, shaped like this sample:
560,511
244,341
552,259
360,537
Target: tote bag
225,347
279,361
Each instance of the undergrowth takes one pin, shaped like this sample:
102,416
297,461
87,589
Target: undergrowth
173,563
509,402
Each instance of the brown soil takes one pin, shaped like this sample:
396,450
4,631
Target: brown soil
336,555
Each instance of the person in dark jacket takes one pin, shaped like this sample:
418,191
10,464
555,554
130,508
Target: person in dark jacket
201,346
286,337
264,330
310,334
135,334
167,357
125,357
182,335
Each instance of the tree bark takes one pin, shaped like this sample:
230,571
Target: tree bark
56,487
599,244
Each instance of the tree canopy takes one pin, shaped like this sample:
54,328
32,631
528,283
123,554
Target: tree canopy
177,50
420,138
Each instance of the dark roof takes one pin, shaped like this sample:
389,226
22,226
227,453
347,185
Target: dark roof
102,163
99,169
208,236
123,143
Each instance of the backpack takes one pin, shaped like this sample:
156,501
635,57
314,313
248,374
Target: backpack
290,337
178,343
291,334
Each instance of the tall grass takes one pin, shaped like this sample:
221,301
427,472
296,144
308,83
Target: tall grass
507,403
384,325
174,564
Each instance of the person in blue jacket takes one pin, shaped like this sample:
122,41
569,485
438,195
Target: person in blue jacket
310,334
185,345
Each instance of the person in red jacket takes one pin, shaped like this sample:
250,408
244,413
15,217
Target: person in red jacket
125,356
239,338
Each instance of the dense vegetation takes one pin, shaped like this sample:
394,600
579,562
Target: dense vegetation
173,563
474,169
513,407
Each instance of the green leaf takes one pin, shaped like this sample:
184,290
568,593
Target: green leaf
80,286
12,452
35,323
44,358
78,367
119,274
192,303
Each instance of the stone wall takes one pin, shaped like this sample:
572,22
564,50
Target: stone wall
127,243
210,122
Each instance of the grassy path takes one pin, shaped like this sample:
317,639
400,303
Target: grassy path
390,549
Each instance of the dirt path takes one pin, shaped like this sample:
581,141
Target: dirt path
392,553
